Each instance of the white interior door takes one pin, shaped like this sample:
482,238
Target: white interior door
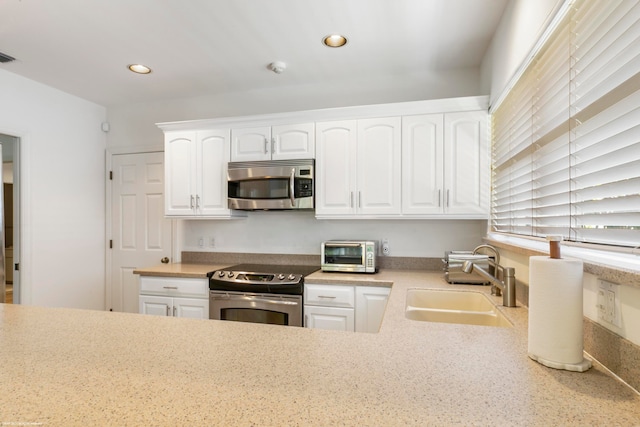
141,235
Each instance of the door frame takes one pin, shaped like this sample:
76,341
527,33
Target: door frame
22,294
108,217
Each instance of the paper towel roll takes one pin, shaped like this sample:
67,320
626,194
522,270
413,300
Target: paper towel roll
555,313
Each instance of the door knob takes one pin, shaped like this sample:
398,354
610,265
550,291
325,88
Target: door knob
165,260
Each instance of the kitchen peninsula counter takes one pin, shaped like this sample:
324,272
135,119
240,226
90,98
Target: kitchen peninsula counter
69,367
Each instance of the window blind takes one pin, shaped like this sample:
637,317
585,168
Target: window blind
566,139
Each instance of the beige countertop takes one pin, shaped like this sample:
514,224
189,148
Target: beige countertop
67,367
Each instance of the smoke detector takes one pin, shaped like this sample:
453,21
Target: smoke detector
278,67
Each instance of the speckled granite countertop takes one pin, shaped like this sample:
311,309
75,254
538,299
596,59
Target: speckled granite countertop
179,270
66,367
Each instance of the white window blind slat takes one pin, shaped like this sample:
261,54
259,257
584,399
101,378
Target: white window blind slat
569,162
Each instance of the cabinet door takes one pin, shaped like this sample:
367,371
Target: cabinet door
251,144
332,318
213,155
335,167
293,142
157,306
467,167
191,308
371,303
422,164
379,166
180,173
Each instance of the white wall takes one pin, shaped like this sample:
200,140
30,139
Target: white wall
522,24
300,233
134,125
62,175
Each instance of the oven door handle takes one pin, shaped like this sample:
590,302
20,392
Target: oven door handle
228,297
292,187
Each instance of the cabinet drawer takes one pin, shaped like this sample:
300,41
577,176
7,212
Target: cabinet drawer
174,286
329,295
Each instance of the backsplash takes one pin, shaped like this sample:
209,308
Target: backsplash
387,262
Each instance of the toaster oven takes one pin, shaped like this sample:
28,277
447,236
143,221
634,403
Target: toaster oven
352,256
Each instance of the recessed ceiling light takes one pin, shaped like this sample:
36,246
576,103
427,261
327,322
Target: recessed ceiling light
139,68
334,40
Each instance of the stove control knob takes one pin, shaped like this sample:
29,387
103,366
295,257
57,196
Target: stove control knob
230,274
291,277
281,276
221,273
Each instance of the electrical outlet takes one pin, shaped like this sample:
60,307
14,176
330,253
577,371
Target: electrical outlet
609,303
385,247
201,241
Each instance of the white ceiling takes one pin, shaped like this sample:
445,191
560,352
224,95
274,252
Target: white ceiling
206,47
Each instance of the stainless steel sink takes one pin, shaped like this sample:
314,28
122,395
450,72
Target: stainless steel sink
446,306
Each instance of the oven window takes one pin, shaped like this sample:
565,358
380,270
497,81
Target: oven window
272,188
343,254
254,315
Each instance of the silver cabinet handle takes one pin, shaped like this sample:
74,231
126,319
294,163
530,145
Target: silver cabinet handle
191,202
169,287
273,145
439,197
168,312
198,201
326,296
174,311
266,146
447,198
359,199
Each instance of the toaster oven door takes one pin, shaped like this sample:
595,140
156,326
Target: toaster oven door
343,256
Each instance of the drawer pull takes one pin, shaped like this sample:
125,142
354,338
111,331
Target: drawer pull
325,296
169,287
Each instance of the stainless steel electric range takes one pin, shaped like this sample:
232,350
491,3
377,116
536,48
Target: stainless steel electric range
259,293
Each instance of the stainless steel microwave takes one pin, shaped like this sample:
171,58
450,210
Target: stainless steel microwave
271,184
349,256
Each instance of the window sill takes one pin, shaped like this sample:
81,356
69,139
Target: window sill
622,268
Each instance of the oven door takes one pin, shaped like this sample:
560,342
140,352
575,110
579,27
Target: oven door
256,308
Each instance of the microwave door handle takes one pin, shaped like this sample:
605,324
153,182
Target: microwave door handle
292,188
355,245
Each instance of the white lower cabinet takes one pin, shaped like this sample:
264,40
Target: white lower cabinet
371,301
175,297
175,307
344,308
332,318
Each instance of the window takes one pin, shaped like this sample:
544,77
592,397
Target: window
566,138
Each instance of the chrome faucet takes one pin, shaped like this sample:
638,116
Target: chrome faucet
496,254
506,287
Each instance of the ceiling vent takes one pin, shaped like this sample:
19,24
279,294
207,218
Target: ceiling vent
6,58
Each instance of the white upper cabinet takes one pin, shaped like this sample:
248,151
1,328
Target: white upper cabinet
251,144
335,167
358,168
379,166
445,164
282,142
467,163
424,159
422,164
196,173
293,142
